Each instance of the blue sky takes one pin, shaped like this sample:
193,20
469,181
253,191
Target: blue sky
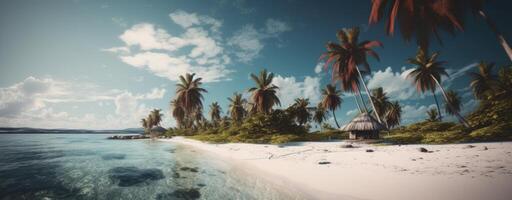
104,64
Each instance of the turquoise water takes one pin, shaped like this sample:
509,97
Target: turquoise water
87,166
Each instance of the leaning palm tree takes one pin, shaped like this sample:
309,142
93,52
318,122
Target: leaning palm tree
189,95
484,83
393,114
301,110
426,18
320,114
427,76
381,101
348,57
264,94
178,113
432,115
331,100
215,111
454,102
236,107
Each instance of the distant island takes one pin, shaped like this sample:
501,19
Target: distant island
26,130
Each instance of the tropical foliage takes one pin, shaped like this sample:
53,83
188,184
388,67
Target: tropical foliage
331,100
264,94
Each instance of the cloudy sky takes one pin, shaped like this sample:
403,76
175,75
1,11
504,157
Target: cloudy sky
105,64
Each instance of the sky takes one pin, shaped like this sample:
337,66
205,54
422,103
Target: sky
106,64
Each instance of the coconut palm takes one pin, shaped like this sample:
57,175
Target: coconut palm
422,19
426,18
454,102
236,107
484,83
156,117
178,113
215,111
301,113
427,76
348,57
381,101
432,115
189,95
393,114
264,94
320,114
144,124
331,100
150,121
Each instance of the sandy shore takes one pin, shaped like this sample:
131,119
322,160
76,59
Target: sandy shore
455,171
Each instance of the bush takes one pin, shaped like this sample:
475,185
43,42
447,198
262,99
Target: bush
443,137
404,138
281,139
498,132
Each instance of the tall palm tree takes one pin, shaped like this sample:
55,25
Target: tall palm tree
156,117
381,101
301,110
427,76
150,121
178,113
393,114
425,18
454,101
215,111
422,19
348,56
264,94
189,95
432,115
236,107
144,124
484,83
331,100
320,114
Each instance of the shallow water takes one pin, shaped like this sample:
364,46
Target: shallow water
87,166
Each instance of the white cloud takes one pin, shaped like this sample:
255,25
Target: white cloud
274,26
395,84
413,113
352,112
148,37
290,89
186,20
248,41
121,50
32,102
319,66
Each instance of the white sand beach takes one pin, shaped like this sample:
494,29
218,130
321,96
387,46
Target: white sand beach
455,171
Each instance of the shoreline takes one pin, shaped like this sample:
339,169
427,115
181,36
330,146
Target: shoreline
453,171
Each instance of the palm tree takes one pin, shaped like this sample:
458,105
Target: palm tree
331,100
156,117
215,111
264,94
381,101
483,83
425,18
393,114
178,113
189,95
144,124
150,121
320,114
301,112
454,102
348,56
236,107
432,115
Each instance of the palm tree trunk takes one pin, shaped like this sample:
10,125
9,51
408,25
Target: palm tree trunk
501,39
457,114
361,97
334,115
368,93
437,104
357,102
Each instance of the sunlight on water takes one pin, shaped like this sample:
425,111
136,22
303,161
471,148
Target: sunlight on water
88,166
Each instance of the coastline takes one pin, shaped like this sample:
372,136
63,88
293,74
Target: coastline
454,171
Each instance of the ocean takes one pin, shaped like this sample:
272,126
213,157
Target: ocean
88,166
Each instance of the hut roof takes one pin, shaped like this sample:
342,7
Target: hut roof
158,129
363,122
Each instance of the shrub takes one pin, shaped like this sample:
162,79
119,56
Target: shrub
404,138
442,137
492,133
281,139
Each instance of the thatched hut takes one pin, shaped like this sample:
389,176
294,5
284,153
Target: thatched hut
157,131
363,126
